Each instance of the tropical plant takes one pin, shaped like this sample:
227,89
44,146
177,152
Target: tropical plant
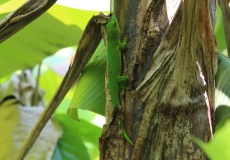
171,61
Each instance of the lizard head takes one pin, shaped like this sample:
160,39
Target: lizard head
112,25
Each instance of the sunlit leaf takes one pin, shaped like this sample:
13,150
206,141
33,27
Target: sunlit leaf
71,16
90,89
10,5
9,117
49,82
219,31
60,28
219,147
3,1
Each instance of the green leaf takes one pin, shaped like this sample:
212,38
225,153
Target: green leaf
222,114
10,5
78,140
59,28
3,1
71,145
71,16
219,147
222,92
49,81
90,89
219,31
9,117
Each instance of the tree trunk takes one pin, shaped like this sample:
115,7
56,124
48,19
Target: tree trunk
171,64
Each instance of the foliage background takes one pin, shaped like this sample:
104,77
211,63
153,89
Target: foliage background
61,27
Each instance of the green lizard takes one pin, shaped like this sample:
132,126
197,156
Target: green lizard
114,65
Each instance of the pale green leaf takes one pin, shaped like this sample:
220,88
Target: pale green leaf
10,5
9,117
59,28
49,82
90,89
3,1
219,31
72,16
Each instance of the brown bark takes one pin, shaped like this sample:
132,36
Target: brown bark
112,141
171,68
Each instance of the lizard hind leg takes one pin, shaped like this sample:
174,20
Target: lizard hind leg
122,82
123,44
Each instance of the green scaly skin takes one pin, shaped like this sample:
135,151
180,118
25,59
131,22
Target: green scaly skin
115,80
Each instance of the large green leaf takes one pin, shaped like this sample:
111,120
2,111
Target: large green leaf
79,140
10,5
219,147
71,145
60,27
222,92
3,1
90,89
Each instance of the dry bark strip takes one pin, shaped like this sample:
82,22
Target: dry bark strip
155,23
178,90
18,19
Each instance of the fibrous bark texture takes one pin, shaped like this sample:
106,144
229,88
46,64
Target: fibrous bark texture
171,63
178,89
